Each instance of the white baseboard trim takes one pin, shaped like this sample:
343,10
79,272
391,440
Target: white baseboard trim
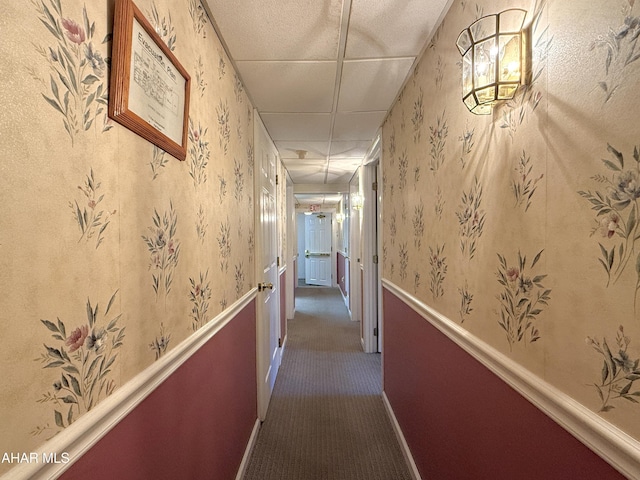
248,450
85,432
406,451
609,442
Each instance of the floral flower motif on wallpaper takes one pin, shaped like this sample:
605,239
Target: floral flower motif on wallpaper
528,96
238,176
201,224
164,249
222,65
418,117
403,253
224,243
467,144
438,205
78,71
198,152
239,276
403,168
163,26
617,213
250,159
222,187
238,88
619,371
393,228
198,17
416,176
224,126
524,186
84,358
416,282
465,302
471,219
91,220
418,224
438,272
199,296
158,160
438,139
160,344
621,46
522,299
201,83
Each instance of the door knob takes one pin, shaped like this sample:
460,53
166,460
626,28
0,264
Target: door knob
265,286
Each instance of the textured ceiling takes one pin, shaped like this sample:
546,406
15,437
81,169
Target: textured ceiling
324,73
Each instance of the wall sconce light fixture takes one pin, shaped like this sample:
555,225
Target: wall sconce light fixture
357,201
495,59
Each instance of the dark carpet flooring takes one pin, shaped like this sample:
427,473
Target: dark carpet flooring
326,419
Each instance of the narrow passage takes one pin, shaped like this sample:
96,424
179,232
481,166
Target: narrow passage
326,419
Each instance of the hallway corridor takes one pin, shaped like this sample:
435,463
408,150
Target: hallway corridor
326,419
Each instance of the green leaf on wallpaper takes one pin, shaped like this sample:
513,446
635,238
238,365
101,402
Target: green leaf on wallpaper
605,375
70,369
76,386
69,399
53,103
57,363
636,154
70,415
611,165
58,417
90,79
617,154
631,222
50,325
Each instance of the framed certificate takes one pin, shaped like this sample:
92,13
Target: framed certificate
149,91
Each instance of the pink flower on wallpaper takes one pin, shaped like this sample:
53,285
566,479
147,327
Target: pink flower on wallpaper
77,338
609,224
74,32
512,274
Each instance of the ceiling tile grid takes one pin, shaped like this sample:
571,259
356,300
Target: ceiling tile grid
324,73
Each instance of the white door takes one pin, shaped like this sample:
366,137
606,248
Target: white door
267,305
317,253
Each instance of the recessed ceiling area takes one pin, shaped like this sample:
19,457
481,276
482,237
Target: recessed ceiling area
324,73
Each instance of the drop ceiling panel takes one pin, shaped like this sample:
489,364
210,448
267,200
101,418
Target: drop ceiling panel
391,29
297,126
277,30
307,176
290,86
310,150
357,126
371,84
357,149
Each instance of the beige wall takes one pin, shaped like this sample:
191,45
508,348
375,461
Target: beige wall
522,204
92,214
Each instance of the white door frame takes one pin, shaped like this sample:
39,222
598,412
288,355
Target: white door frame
371,256
267,352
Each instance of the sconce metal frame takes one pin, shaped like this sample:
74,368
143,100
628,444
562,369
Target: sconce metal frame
495,53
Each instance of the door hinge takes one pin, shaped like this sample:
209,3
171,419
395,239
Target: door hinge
374,186
278,261
277,180
375,332
375,259
279,343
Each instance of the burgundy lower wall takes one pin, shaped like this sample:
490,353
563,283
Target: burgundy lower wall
196,425
462,421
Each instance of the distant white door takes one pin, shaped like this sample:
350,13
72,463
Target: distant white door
317,234
268,325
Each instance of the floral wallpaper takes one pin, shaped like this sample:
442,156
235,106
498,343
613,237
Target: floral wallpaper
522,226
112,251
